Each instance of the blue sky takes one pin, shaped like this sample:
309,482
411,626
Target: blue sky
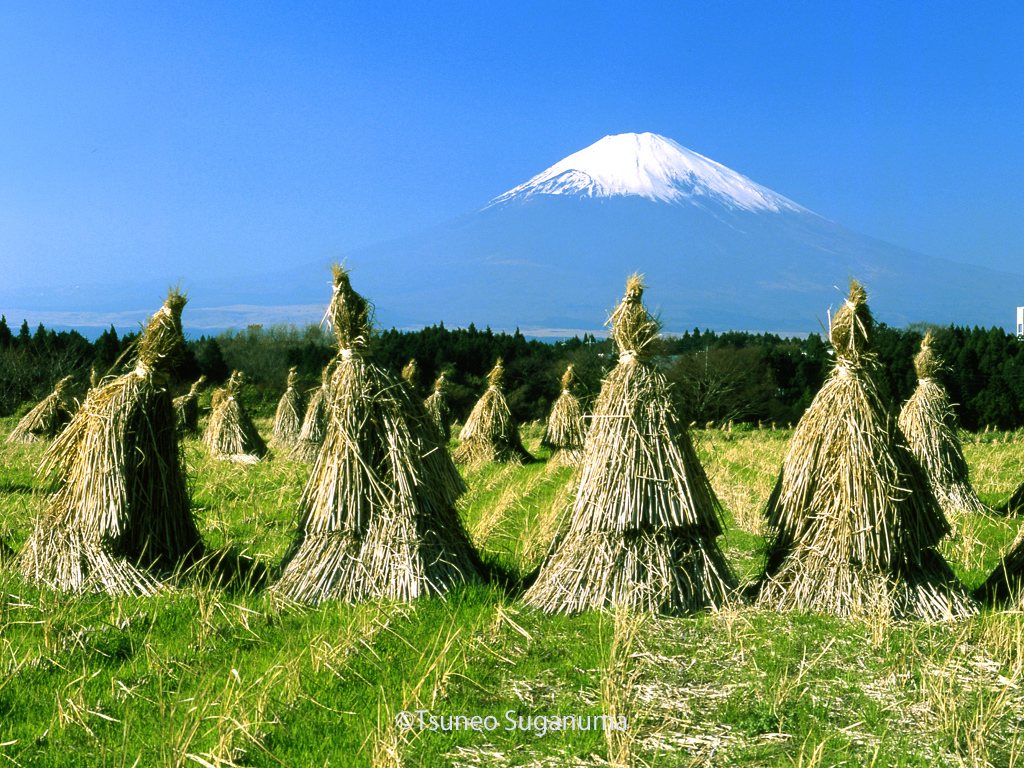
182,139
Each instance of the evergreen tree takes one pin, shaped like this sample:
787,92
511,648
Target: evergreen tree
107,349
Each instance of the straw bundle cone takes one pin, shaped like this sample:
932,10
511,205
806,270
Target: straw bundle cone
48,418
853,515
929,424
120,519
565,433
643,525
231,434
288,418
377,518
437,409
314,423
186,410
490,433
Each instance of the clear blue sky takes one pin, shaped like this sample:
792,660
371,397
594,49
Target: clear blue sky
178,139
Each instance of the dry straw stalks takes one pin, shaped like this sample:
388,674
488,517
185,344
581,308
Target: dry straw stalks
490,433
565,433
853,516
644,522
314,423
288,418
929,423
437,409
48,418
120,517
377,518
231,434
186,410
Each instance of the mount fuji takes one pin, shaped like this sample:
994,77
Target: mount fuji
718,250
552,255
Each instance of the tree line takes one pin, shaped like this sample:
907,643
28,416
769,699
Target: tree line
717,377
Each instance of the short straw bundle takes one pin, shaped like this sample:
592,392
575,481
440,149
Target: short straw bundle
437,409
644,522
853,516
565,433
48,418
490,434
231,434
186,410
377,518
120,518
314,423
288,418
411,377
929,424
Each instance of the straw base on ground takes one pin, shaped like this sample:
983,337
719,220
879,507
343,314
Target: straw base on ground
655,572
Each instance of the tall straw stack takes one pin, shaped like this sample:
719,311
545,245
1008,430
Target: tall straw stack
288,418
490,433
377,518
314,423
644,522
565,433
48,418
853,515
120,519
437,409
231,435
186,410
929,423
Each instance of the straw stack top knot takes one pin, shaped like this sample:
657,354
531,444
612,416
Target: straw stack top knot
235,383
162,342
926,363
497,375
293,377
633,327
411,374
62,386
439,384
349,313
568,378
852,325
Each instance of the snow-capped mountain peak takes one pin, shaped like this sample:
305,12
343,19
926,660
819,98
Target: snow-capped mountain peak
651,166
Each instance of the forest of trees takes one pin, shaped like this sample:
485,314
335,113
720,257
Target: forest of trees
718,377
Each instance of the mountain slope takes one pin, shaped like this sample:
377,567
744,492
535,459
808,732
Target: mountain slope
553,262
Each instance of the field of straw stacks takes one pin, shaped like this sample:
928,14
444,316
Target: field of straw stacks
216,672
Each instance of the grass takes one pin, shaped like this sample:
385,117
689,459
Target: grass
206,675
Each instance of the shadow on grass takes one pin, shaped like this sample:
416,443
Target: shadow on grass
234,572
511,583
10,486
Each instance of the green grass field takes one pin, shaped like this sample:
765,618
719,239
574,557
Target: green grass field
206,676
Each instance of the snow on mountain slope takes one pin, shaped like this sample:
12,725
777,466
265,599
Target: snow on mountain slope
651,166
